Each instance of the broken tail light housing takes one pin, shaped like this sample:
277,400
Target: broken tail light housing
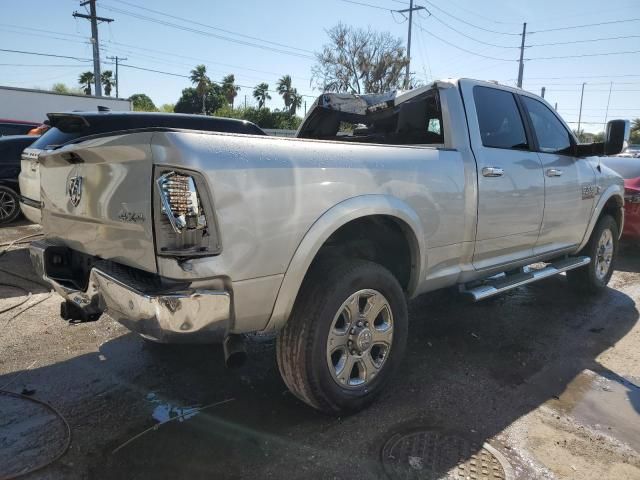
183,213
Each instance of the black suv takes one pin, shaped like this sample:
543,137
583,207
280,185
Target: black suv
11,148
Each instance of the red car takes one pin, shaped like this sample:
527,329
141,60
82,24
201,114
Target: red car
629,169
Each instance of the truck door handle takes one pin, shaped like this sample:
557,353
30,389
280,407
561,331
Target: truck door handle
492,172
554,172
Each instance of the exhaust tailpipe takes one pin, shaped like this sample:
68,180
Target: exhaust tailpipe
235,352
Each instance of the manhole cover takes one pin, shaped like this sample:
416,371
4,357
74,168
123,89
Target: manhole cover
32,435
434,455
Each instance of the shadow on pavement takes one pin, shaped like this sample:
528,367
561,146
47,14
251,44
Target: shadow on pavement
469,368
629,259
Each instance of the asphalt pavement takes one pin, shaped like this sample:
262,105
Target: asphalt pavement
547,379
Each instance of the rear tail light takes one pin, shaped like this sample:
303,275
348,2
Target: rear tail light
180,202
184,217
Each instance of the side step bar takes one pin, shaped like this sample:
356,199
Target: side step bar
501,283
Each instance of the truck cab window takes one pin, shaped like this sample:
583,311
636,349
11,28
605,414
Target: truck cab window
552,135
499,119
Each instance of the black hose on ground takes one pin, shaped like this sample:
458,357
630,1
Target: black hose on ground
62,451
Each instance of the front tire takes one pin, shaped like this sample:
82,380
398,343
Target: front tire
345,337
603,249
9,205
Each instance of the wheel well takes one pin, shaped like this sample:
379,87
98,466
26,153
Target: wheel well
613,207
378,238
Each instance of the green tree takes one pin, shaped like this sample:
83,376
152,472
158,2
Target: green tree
107,81
230,89
200,79
296,102
284,89
634,138
86,79
63,88
190,101
167,107
142,103
360,61
261,93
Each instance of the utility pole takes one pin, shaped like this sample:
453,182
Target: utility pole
410,10
94,40
521,66
116,59
542,90
580,114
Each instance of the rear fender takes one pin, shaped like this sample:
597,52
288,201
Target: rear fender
326,225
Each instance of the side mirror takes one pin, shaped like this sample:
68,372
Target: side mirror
616,136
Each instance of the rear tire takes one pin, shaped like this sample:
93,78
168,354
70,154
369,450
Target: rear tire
9,205
346,335
603,249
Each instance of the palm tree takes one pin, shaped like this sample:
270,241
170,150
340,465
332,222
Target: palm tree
230,89
86,79
261,93
296,101
107,81
635,125
200,79
285,89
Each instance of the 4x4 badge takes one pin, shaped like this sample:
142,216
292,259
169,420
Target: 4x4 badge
74,189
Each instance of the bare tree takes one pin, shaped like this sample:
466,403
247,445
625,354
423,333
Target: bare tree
360,61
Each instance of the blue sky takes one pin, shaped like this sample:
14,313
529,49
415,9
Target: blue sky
454,41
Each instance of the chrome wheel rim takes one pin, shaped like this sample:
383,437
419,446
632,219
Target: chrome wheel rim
604,254
7,205
360,339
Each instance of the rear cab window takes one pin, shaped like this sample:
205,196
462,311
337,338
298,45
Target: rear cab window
499,119
393,121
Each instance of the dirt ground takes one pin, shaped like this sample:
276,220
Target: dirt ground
547,378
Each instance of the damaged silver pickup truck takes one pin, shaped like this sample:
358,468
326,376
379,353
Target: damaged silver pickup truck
197,236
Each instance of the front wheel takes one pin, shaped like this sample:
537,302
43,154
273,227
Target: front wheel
602,248
346,335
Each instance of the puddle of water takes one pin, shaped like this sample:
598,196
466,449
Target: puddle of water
165,411
610,404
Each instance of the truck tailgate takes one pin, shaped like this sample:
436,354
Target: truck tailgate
96,198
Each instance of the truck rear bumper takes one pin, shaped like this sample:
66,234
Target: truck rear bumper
190,315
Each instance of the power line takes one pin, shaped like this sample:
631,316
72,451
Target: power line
463,49
469,23
625,37
37,65
208,34
24,52
469,36
368,5
108,43
158,12
586,25
630,52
